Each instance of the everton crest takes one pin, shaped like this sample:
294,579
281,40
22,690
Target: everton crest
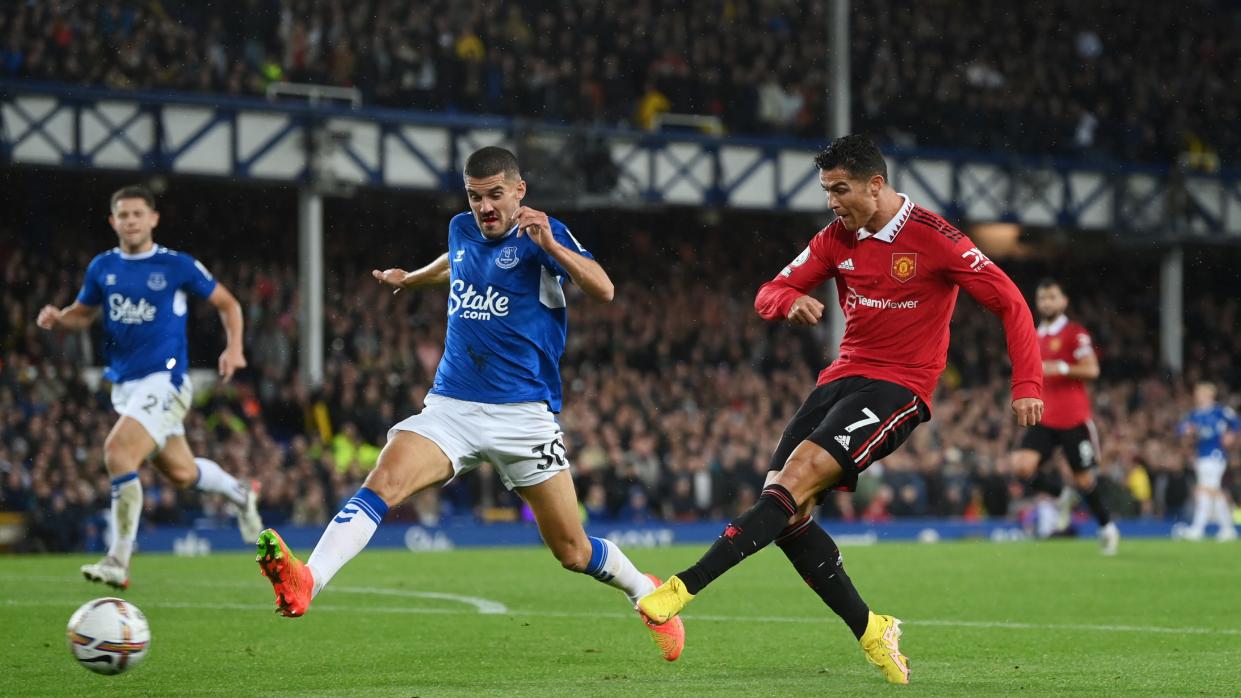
508,258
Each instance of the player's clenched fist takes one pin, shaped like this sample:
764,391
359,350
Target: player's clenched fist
805,311
48,317
1029,411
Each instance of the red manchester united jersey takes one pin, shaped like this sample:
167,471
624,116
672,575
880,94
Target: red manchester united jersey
898,288
1067,404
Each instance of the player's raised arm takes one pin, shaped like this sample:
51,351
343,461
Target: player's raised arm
787,295
583,270
77,316
434,274
969,268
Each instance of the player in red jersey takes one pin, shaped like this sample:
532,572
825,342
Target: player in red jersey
897,268
1069,361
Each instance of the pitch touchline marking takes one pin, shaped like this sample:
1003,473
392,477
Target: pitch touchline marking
982,625
483,606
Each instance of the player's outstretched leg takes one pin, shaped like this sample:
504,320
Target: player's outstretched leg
244,496
296,583
177,462
1223,517
748,534
126,446
554,503
817,559
1109,535
409,463
113,569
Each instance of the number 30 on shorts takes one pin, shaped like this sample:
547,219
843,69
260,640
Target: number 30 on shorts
550,453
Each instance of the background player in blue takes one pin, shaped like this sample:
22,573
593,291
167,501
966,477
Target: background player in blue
1212,427
495,393
142,289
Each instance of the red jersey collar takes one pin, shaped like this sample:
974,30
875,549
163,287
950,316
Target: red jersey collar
889,232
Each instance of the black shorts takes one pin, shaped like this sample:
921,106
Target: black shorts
1080,444
857,420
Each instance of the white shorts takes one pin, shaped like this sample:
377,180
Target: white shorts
155,404
522,440
1210,472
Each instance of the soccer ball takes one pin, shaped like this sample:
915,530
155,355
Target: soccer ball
108,635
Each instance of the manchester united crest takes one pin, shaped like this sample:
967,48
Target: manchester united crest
1054,344
904,266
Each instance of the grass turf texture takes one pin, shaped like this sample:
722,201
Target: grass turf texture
1161,619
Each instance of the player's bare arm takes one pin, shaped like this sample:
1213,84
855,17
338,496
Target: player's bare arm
72,318
434,274
1085,369
233,357
586,273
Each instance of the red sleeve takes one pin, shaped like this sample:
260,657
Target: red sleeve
969,268
801,276
1083,346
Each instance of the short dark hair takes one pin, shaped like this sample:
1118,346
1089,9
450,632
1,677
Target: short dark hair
1049,282
133,191
855,154
491,161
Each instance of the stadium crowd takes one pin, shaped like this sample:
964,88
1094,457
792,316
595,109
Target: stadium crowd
675,393
1054,77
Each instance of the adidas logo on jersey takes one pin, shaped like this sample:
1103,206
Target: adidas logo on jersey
843,440
847,265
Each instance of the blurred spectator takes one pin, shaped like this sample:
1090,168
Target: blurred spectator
676,393
1050,77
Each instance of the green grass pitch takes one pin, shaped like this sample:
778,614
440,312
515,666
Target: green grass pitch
1055,618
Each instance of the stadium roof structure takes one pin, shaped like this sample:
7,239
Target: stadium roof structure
336,148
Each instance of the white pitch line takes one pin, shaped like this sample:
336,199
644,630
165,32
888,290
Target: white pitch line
386,610
481,605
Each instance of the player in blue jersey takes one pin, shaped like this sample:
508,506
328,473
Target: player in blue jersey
495,396
1212,428
142,289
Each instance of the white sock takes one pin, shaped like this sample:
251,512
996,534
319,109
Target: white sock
1047,515
1202,510
213,479
126,510
345,536
610,566
1223,512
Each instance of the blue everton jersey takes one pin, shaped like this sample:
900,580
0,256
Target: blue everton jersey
1209,426
144,299
507,318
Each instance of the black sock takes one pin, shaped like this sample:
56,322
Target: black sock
748,534
1094,500
817,559
1047,481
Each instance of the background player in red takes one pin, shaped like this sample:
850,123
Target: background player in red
897,268
1069,361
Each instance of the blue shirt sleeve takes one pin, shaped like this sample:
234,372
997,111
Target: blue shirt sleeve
92,291
1231,417
197,280
564,237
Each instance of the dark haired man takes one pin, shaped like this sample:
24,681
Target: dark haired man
1069,362
145,287
495,396
897,268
